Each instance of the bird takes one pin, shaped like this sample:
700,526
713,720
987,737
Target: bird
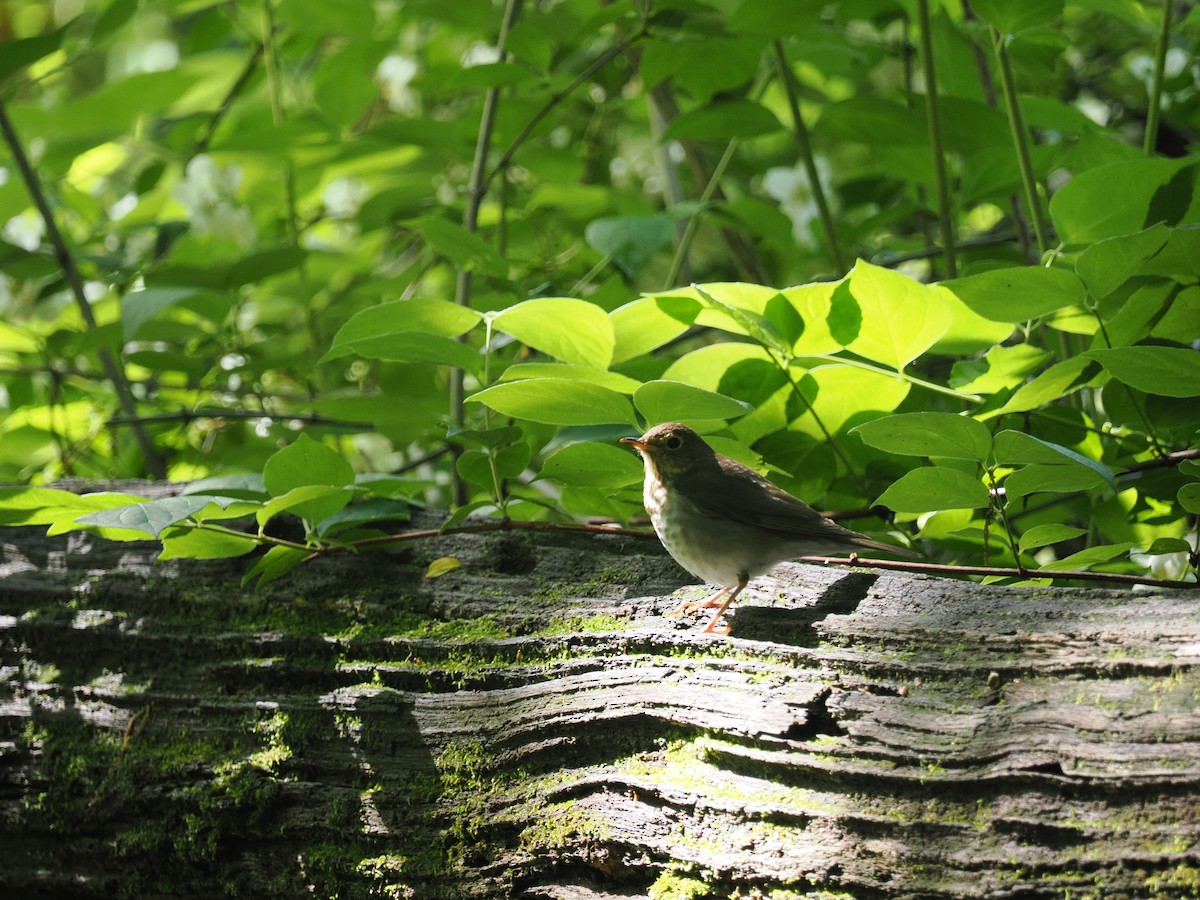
724,522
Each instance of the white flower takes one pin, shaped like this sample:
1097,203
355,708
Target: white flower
791,189
395,74
480,54
25,230
1167,566
343,197
207,191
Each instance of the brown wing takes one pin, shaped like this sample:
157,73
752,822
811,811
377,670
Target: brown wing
750,499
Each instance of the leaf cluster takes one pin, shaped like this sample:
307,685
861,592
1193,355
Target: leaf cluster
349,262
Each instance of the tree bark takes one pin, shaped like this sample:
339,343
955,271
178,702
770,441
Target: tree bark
531,724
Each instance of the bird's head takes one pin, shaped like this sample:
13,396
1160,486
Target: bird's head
672,449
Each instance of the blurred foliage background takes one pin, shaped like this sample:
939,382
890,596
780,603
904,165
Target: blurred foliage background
347,220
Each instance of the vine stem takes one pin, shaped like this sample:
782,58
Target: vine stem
1150,138
935,141
154,463
476,189
1016,124
852,562
693,223
788,77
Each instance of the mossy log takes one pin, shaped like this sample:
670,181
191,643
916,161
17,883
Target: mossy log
532,724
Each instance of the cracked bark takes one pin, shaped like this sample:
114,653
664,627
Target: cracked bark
531,725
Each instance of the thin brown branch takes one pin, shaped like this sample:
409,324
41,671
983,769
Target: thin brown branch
232,94
66,261
996,571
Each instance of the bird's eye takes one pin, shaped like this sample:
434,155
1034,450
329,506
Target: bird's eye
674,442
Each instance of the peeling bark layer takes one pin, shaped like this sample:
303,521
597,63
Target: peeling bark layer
532,725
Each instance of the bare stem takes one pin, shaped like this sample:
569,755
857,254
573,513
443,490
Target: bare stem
788,77
1020,141
1150,138
935,141
114,373
476,189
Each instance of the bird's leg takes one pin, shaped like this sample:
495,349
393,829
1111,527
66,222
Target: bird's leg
711,627
691,606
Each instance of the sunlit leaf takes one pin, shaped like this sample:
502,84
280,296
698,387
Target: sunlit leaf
1045,535
648,323
574,331
901,318
667,401
1018,294
928,434
558,401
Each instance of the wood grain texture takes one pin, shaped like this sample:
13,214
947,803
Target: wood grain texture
532,725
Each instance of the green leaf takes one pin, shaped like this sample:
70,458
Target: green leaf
139,307
465,250
847,394
1018,294
931,488
1166,371
648,323
928,434
1045,535
273,564
1012,16
1168,545
26,51
591,464
668,401
441,566
413,346
1087,558
311,502
377,509
204,543
305,462
722,121
150,517
1106,265
1189,498
1056,382
1017,447
1090,208
385,331
558,401
1052,479
901,318
631,241
1002,368
574,331
306,471
611,380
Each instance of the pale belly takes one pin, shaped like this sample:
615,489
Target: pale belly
719,552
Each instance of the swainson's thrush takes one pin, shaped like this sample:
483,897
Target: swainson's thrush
724,522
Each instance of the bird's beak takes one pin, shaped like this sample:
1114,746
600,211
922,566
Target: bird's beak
635,443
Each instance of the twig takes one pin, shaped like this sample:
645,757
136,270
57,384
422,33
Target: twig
935,140
998,571
116,376
476,188
788,77
235,89
556,98
188,415
1150,138
1016,125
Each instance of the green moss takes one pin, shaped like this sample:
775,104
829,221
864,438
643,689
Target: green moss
671,885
